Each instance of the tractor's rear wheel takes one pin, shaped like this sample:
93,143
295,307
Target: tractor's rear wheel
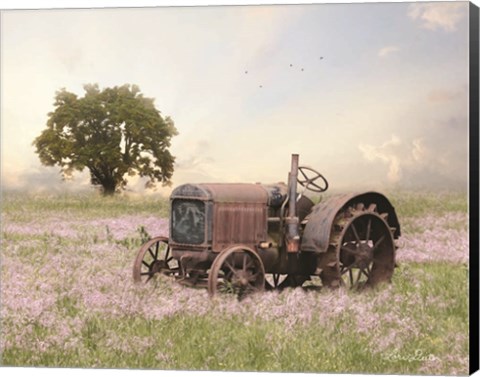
362,249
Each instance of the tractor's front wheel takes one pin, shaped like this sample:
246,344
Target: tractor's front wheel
237,270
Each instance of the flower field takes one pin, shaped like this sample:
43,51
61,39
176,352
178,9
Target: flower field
68,298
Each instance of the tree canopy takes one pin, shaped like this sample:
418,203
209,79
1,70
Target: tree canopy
112,132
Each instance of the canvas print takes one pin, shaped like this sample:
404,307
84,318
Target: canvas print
267,188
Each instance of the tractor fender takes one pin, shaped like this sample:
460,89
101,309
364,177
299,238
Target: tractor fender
316,235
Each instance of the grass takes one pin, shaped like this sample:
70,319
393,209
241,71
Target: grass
219,342
24,207
68,301
90,205
417,204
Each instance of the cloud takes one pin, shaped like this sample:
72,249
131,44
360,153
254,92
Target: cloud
415,164
194,155
419,151
435,16
402,158
194,162
43,179
387,51
385,153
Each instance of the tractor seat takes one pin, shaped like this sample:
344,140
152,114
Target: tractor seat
304,207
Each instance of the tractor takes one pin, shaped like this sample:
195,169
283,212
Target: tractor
242,238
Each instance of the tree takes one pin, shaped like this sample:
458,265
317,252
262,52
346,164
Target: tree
112,133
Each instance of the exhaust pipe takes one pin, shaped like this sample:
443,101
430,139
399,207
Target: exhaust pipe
292,236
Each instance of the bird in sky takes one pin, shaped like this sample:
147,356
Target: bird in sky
291,65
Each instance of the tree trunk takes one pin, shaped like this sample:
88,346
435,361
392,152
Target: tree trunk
108,188
104,178
108,191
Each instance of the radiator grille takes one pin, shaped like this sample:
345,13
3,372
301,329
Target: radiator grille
235,223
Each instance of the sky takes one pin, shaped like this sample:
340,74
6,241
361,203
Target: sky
373,95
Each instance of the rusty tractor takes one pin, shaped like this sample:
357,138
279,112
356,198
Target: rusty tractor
244,238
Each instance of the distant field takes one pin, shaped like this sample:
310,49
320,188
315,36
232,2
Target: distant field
68,299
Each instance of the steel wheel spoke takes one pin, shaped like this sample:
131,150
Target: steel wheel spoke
344,269
378,243
355,233
347,249
365,273
369,228
156,250
231,268
250,288
145,264
244,265
151,253
358,276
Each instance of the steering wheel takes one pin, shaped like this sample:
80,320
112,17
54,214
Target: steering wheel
309,179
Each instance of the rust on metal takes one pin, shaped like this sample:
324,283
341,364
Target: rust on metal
239,214
231,236
236,192
292,236
239,223
318,231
